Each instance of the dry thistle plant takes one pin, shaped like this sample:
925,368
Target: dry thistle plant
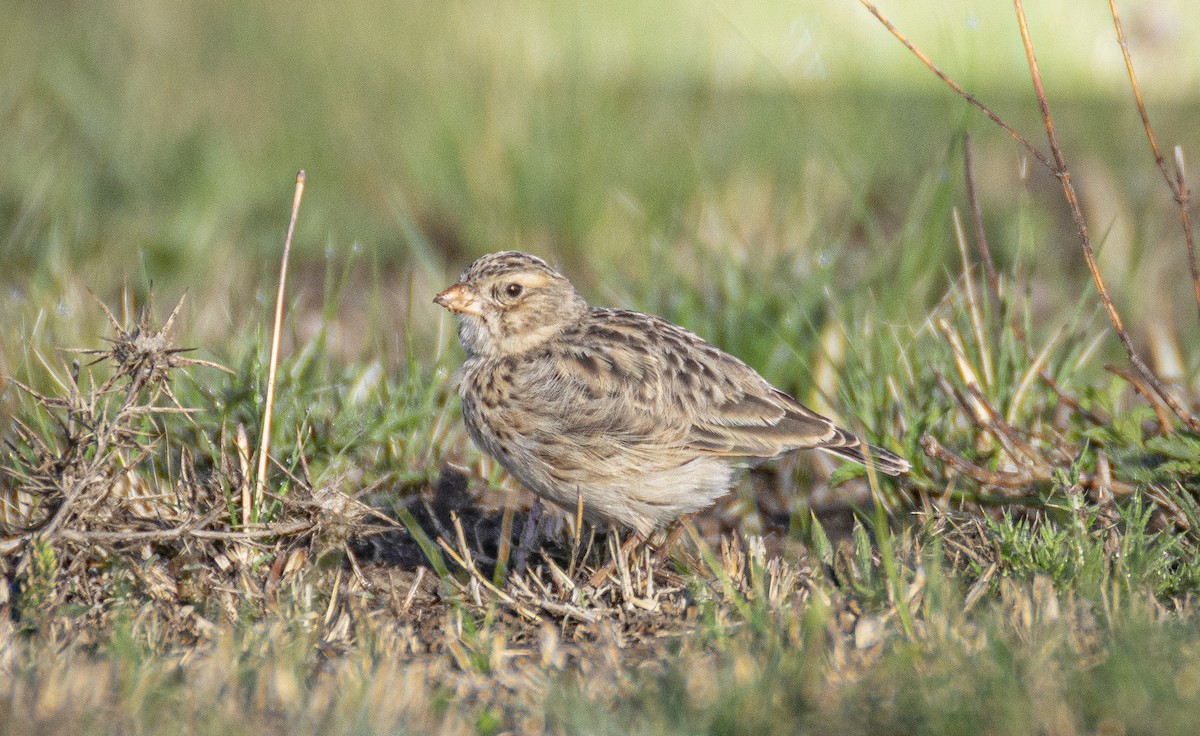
87,483
86,479
103,482
101,492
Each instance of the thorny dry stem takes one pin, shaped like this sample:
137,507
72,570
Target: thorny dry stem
95,435
88,482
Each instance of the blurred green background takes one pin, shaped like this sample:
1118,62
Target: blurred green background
636,144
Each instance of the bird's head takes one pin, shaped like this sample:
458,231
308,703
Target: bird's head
510,303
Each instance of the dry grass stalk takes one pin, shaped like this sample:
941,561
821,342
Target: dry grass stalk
976,314
264,449
243,456
502,555
463,557
639,593
1028,459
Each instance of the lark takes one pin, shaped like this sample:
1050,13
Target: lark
637,418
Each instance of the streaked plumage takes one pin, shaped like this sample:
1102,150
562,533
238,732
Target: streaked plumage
643,419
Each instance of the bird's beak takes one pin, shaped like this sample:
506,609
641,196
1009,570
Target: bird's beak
460,299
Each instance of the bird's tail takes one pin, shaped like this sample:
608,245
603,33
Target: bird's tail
850,447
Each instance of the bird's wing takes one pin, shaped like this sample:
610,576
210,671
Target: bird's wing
599,400
742,414
738,413
633,382
635,390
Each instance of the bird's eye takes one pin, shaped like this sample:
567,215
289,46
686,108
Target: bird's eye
514,290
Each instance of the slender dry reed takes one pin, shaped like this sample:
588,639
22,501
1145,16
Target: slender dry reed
265,445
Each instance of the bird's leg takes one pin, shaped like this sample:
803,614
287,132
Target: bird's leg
664,550
530,533
627,546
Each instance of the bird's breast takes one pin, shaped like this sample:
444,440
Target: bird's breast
492,410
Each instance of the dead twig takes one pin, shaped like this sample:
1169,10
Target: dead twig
162,535
949,82
1097,418
1160,410
1057,165
1009,436
1178,184
1064,176
1014,484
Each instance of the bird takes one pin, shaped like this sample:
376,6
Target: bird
632,417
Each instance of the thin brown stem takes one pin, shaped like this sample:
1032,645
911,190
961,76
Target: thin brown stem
1097,418
1183,196
970,98
1178,184
1008,436
600,576
981,241
1018,481
1012,483
1058,167
1137,95
1160,411
1064,176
